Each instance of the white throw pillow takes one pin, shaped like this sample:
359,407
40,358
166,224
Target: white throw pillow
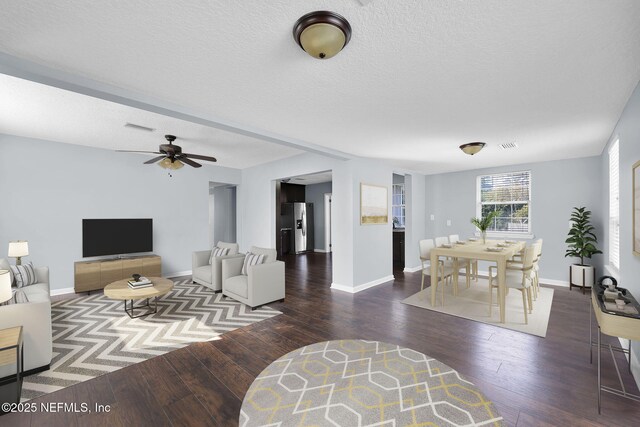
217,252
24,275
251,259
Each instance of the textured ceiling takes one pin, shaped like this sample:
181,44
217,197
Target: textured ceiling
310,179
418,79
37,111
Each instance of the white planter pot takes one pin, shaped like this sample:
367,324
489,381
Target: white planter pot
582,275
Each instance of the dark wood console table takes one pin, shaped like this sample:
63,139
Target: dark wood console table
617,324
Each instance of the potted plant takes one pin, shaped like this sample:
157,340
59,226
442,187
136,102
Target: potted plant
582,244
483,224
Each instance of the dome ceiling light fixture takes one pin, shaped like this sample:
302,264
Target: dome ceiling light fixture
472,147
322,34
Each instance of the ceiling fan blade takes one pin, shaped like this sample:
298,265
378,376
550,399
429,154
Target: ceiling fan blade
199,157
155,159
186,160
135,151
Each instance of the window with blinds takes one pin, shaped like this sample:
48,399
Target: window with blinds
614,205
510,195
398,204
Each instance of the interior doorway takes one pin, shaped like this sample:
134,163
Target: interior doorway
222,213
300,214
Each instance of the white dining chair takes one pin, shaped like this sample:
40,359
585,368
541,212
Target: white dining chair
536,267
517,264
463,263
442,241
445,271
516,278
454,238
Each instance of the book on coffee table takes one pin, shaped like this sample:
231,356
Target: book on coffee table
140,281
145,285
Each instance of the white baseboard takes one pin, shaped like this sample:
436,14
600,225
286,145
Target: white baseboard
62,291
322,251
552,282
178,274
412,269
359,288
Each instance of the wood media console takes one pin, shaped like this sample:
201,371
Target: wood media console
96,274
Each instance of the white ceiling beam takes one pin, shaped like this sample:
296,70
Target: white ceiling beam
31,71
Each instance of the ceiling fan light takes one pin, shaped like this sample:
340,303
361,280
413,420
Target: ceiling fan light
322,34
166,163
472,147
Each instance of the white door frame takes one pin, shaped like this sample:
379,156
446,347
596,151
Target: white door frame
327,222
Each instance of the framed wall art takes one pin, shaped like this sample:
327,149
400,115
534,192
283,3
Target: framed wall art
374,204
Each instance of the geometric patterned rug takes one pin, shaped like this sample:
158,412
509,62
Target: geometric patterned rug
363,383
92,335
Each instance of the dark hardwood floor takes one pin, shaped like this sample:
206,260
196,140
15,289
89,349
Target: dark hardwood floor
533,381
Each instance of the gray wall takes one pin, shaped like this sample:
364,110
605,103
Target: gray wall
315,194
50,187
415,224
556,187
362,253
628,131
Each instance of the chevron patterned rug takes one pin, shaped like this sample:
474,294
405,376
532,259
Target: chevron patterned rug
93,335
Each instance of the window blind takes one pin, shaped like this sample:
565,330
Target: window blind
510,195
614,205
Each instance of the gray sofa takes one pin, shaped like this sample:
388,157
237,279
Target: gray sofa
264,283
210,275
35,318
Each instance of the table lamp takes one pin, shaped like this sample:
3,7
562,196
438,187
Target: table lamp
5,286
18,249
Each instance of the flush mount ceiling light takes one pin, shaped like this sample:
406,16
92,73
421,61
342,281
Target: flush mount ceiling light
472,147
322,34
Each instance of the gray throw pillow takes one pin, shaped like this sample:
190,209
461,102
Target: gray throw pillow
24,275
217,252
251,259
19,297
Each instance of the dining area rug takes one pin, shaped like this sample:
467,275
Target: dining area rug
473,303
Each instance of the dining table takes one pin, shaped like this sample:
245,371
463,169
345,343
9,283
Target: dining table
498,251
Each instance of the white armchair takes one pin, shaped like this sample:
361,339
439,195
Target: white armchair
35,318
210,275
263,283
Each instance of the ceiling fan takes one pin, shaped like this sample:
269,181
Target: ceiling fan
171,156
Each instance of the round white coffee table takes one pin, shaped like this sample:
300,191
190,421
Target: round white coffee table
120,290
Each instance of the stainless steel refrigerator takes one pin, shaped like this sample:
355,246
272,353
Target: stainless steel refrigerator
299,217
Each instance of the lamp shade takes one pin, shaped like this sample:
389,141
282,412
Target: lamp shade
18,248
5,286
166,163
322,34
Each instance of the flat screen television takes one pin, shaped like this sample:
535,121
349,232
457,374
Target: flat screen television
116,236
